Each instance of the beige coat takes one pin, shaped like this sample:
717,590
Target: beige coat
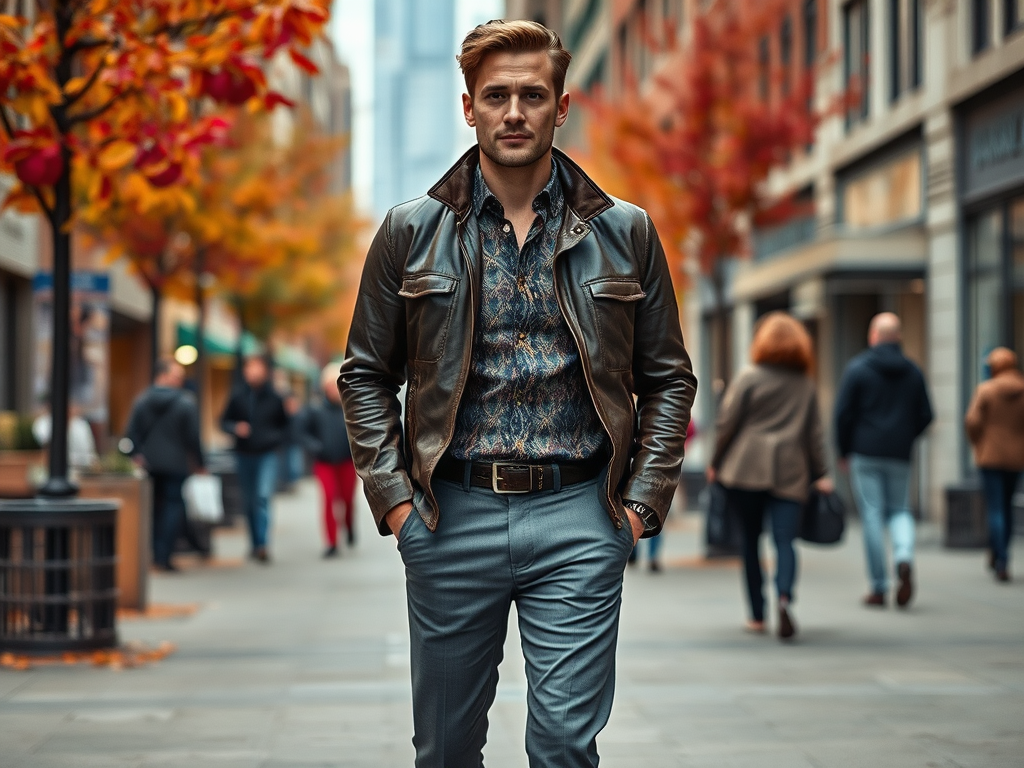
769,433
995,422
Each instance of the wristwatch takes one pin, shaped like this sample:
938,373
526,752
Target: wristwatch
647,515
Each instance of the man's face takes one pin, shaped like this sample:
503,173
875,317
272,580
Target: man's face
514,108
255,372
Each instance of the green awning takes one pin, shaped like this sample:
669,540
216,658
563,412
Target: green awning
288,357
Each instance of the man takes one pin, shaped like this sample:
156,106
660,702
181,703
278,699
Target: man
164,432
881,409
322,432
525,308
256,416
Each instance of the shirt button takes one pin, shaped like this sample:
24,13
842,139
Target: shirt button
506,229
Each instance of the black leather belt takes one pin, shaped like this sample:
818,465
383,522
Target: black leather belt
519,476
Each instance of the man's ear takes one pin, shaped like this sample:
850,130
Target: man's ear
563,110
467,110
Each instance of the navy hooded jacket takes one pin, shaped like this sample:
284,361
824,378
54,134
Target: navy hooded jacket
882,406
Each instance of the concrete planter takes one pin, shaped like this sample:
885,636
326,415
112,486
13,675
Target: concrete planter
134,536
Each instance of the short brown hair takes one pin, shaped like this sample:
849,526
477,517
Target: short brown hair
781,339
1001,359
512,37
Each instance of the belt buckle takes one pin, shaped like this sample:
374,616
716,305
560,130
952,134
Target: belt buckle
495,478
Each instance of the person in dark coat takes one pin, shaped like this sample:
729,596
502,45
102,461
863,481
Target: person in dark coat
769,451
323,434
880,411
256,416
995,427
164,432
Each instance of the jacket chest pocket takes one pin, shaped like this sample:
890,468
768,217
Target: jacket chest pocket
613,301
429,305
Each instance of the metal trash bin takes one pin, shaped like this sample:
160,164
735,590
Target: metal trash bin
966,518
58,581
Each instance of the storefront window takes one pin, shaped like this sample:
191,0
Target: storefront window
886,195
984,263
1017,273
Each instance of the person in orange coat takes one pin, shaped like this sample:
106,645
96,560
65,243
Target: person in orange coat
995,427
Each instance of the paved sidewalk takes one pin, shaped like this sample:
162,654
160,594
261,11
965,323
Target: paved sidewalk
305,663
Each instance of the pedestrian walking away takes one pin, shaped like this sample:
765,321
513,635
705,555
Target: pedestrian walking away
322,432
163,430
525,308
995,427
880,411
769,450
255,414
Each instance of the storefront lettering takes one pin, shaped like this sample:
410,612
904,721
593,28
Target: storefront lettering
999,141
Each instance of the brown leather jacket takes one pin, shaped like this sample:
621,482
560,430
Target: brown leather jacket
414,320
995,422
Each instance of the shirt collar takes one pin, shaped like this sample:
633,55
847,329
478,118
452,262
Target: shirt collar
547,203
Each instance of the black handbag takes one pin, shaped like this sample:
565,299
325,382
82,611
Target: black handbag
722,528
824,518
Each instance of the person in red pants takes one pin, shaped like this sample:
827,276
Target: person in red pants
324,436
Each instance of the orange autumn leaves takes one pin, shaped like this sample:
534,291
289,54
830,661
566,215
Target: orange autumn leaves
105,85
697,147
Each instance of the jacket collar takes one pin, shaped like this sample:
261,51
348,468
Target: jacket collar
582,195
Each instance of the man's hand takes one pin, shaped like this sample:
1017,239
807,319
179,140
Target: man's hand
242,429
825,485
711,474
396,517
635,523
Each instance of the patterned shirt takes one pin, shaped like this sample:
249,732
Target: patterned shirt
526,397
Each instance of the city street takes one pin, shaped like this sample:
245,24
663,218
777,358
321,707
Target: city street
305,663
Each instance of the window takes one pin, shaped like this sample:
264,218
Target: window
904,30
810,16
981,34
885,195
995,285
786,51
856,56
1013,15
764,61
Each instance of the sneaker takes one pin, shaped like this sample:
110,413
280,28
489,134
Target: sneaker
875,600
331,551
167,567
905,591
350,537
262,556
1002,575
786,626
655,566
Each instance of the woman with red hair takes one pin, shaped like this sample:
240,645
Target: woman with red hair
769,450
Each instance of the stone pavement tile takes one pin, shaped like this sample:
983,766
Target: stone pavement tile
876,751
762,755
77,761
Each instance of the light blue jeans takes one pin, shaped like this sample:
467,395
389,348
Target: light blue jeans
257,476
558,557
882,489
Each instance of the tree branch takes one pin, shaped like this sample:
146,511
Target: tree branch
6,122
92,114
71,99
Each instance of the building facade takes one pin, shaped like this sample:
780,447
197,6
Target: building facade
916,193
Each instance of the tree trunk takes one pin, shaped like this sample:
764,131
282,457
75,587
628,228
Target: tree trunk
723,352
58,484
154,331
200,299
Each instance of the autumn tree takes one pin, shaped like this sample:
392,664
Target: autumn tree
99,89
698,147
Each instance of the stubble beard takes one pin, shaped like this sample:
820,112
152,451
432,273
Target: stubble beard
516,158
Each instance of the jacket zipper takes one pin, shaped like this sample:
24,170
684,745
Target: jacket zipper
585,361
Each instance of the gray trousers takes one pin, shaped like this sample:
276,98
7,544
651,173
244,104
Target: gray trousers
560,558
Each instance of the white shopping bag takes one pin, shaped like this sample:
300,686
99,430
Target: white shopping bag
203,500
